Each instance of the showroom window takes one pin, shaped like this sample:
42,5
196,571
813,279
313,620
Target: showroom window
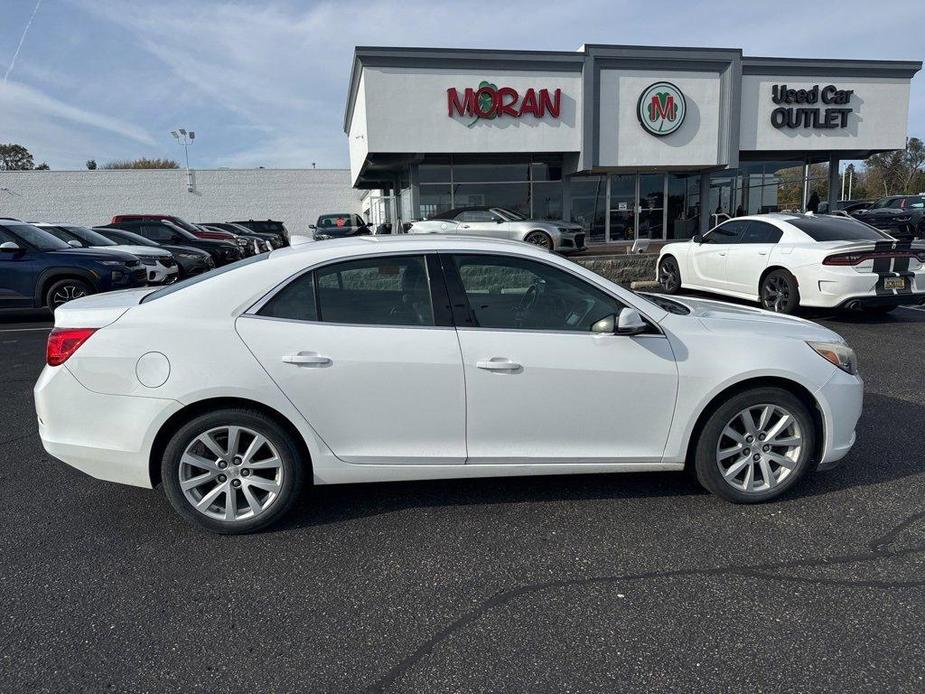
683,220
529,185
588,204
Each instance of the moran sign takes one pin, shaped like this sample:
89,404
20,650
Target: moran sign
490,101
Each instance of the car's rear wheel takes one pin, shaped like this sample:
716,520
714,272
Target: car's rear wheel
755,446
65,290
231,471
779,292
669,275
539,238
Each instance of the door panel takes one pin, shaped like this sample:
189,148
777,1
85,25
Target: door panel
18,273
388,394
551,397
748,258
708,260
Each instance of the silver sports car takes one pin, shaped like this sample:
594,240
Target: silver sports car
497,222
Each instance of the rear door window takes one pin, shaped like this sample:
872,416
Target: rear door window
760,232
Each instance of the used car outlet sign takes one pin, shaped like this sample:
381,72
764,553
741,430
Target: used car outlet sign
661,108
489,102
804,113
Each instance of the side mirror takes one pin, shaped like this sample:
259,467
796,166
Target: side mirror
605,326
630,322
312,226
74,243
697,238
499,221
9,247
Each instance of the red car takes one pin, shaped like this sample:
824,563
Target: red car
212,234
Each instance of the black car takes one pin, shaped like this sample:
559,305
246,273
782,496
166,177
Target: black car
266,226
165,232
191,261
902,216
338,226
849,207
275,239
38,269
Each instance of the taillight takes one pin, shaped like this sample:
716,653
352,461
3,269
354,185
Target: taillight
857,258
844,259
63,342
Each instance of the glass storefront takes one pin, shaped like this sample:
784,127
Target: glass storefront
588,205
759,187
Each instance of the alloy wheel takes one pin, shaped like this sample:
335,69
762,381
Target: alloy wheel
538,238
669,276
759,448
231,473
65,293
776,295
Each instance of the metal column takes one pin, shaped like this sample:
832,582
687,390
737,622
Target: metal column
834,163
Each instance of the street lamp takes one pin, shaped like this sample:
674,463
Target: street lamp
186,139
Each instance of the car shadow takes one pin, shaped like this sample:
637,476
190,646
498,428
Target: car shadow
887,425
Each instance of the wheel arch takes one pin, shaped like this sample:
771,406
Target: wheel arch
768,270
180,417
51,275
661,259
794,388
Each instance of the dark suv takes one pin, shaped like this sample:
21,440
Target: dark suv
165,232
902,216
266,226
37,269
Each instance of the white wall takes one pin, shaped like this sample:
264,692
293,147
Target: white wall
358,137
879,120
407,112
623,142
293,196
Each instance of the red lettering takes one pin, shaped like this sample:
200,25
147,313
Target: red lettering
551,105
462,108
529,104
506,108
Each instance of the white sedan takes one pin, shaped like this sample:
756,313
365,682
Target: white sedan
425,357
786,261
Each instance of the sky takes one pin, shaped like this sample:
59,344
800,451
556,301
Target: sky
263,83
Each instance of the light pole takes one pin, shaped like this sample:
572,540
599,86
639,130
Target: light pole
186,139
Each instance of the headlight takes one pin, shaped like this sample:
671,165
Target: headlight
117,263
837,353
903,219
147,260
188,256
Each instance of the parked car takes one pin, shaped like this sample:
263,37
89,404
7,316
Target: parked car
166,232
275,239
785,261
39,270
501,223
849,207
194,229
252,244
491,358
267,226
190,261
338,226
903,216
160,266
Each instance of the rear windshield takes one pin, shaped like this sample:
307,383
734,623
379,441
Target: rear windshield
196,279
825,228
335,220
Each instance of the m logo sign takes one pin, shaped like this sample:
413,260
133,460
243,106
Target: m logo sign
661,108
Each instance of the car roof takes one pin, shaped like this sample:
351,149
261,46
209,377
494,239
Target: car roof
422,243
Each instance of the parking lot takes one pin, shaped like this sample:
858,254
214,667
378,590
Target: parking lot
556,584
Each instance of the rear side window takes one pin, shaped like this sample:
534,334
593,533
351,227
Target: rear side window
761,232
837,229
295,301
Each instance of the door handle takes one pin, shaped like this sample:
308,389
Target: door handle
762,252
307,359
463,226
498,364
722,253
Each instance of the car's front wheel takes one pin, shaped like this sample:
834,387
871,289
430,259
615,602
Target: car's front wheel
231,471
669,275
539,238
755,446
779,292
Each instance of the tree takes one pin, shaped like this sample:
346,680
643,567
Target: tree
142,163
895,172
91,164
42,167
15,158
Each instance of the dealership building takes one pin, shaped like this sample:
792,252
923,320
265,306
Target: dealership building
632,142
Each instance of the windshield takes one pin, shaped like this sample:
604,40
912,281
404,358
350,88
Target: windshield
88,236
510,214
196,279
886,202
37,238
126,237
827,228
180,230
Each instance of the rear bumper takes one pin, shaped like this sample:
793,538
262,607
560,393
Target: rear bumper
106,436
868,301
841,400
835,287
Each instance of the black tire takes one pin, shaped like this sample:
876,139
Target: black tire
707,467
290,484
539,238
881,310
779,292
62,291
669,275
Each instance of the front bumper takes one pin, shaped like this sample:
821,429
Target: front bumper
570,241
106,436
840,400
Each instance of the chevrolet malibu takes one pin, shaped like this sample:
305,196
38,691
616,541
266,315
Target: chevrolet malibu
427,357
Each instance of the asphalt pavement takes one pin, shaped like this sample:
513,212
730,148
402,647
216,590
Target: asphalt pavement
608,583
